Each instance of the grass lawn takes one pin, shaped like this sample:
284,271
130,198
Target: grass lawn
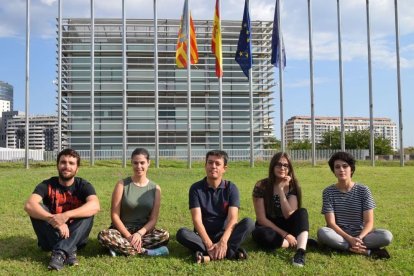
392,187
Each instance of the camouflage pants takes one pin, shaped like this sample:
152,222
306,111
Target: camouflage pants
112,239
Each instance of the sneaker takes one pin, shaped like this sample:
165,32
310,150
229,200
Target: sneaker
72,259
379,253
299,258
57,261
160,251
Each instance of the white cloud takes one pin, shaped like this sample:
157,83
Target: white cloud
48,2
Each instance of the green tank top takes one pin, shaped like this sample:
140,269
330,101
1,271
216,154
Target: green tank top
137,203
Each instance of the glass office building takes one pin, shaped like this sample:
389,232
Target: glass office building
6,94
172,87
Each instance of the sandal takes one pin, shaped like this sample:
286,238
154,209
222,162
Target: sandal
199,257
241,254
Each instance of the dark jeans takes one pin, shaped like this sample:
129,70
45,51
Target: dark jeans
267,238
192,240
49,238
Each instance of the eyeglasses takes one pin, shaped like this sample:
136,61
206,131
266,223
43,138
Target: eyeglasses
282,165
343,166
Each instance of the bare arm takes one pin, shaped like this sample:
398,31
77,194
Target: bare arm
220,248
116,209
35,209
199,227
261,218
90,208
331,223
288,206
368,220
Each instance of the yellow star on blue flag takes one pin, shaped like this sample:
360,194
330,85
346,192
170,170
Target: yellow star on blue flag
244,46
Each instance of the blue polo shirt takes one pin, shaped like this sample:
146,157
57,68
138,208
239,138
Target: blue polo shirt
214,203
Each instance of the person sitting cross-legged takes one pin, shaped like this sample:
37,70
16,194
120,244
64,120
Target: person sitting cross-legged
61,210
348,208
214,205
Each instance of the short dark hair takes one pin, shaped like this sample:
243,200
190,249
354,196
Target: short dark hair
68,152
344,156
218,153
141,151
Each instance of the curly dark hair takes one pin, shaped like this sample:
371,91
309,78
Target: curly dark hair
69,152
344,156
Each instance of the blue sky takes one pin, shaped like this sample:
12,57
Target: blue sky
295,31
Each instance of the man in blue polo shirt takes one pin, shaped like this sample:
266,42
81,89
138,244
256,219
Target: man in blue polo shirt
214,204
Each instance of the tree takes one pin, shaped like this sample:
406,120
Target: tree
301,145
272,143
358,139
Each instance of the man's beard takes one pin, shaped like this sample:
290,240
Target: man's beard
66,178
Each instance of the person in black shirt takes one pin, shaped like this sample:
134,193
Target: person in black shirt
61,210
280,219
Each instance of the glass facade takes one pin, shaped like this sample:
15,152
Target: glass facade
172,87
6,94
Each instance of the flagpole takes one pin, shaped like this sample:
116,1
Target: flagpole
220,89
281,61
189,155
371,103
157,149
311,83
340,78
397,49
124,88
251,97
92,147
59,134
26,146
251,118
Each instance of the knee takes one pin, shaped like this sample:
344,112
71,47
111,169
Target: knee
386,236
181,233
248,223
322,233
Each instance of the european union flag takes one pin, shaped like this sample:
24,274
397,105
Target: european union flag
275,43
244,47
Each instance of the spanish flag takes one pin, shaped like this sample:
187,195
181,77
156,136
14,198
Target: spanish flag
216,41
181,53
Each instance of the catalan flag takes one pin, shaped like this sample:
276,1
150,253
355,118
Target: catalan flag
216,41
244,47
181,52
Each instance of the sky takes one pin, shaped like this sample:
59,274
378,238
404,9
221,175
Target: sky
43,51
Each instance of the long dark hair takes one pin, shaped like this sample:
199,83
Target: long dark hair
268,183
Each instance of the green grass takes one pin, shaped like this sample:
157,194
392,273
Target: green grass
392,187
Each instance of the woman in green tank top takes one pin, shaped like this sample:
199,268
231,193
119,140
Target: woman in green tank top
134,213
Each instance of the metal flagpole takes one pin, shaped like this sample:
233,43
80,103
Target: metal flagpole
26,146
397,49
220,89
371,103
157,148
124,88
251,99
281,62
311,83
341,91
59,134
188,86
92,147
